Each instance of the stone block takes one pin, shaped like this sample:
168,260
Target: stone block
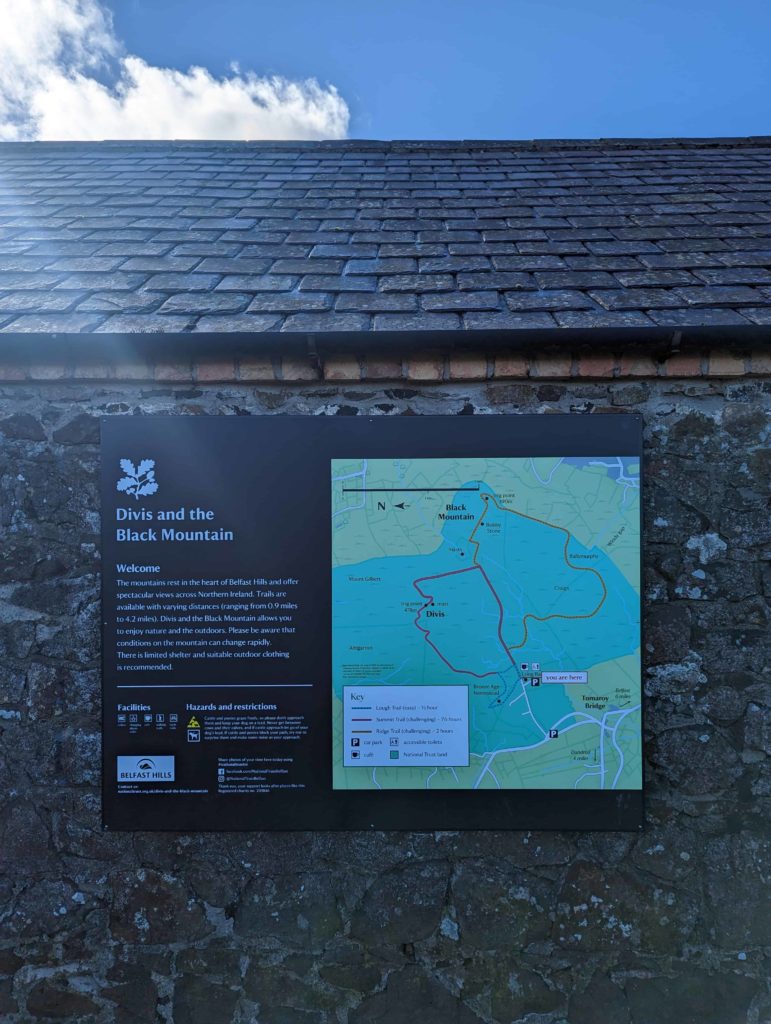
726,364
57,997
597,365
198,1001
170,372
511,364
636,365
467,366
342,367
425,366
206,370
12,371
137,370
252,368
48,371
551,365
382,367
683,365
760,362
297,368
691,995
92,371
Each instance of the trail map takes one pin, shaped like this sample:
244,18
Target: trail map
486,629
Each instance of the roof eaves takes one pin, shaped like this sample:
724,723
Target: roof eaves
125,347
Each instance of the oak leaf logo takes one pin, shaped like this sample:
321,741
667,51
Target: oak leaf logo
138,480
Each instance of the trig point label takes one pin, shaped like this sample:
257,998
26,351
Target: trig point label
403,726
564,677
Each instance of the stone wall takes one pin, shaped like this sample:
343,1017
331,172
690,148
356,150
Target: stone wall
437,928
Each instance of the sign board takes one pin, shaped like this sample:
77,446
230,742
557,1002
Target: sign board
335,623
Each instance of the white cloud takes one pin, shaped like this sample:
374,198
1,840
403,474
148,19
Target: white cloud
63,76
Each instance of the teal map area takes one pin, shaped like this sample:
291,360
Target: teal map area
517,579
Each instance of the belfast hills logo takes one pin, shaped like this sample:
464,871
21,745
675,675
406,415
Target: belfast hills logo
138,480
145,768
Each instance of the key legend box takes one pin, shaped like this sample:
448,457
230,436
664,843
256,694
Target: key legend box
418,726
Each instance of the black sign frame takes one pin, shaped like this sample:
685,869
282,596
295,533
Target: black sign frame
248,463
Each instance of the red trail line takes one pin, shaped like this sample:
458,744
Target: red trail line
508,649
427,632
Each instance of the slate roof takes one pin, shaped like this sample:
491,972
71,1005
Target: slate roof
384,236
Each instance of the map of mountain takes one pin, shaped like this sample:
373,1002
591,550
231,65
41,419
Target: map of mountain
515,579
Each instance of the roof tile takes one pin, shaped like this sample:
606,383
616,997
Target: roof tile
384,236
290,302
416,283
326,322
495,279
52,323
733,275
557,298
31,301
375,302
216,322
145,323
461,301
418,321
758,315
585,319
255,282
198,303
654,278
507,320
717,295
119,302
382,265
636,298
697,317
575,279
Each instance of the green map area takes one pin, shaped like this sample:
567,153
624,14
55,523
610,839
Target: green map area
515,579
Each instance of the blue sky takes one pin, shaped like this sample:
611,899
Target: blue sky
490,68
403,69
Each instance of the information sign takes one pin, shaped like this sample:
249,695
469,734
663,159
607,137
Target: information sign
412,622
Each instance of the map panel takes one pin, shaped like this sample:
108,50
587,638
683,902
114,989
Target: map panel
486,623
